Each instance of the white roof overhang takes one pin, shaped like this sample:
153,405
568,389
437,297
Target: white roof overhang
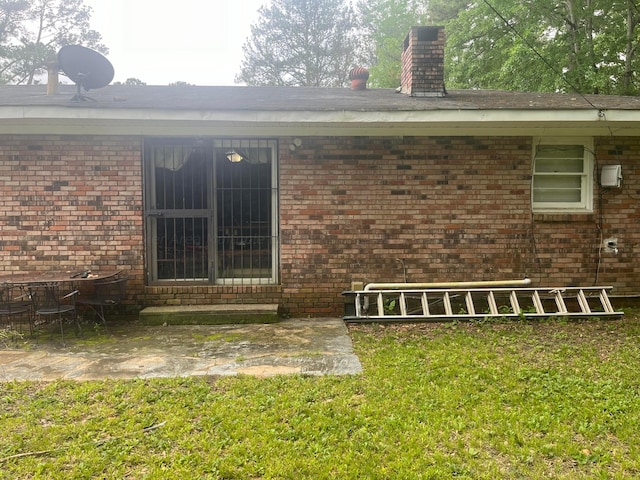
155,122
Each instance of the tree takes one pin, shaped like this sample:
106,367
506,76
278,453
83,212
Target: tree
388,23
588,46
131,81
32,32
483,50
302,43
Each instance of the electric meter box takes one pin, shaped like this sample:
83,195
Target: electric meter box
611,176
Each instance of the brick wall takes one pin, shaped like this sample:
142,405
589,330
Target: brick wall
71,203
352,209
441,209
618,213
211,294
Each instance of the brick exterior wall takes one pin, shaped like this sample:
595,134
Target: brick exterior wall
351,209
448,209
71,203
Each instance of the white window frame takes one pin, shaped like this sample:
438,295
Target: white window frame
585,205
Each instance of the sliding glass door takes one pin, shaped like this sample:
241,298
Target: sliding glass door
211,210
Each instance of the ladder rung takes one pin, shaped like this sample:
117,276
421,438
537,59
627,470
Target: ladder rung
537,302
562,308
493,306
582,300
359,310
446,300
403,304
513,298
469,301
425,304
380,302
604,300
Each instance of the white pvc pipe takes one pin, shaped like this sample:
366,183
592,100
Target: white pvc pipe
478,284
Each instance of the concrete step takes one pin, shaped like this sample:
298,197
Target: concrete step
209,314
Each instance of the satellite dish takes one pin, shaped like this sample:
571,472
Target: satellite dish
87,68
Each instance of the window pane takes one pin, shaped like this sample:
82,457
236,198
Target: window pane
559,181
557,188
244,203
180,177
556,196
565,165
182,248
560,151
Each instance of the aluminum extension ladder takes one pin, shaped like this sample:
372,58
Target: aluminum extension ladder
399,305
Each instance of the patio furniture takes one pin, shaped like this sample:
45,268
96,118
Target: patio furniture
75,278
106,293
51,304
15,304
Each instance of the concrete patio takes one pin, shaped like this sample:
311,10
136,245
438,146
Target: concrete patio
132,350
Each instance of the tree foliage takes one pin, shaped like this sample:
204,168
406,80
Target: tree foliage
545,45
302,43
32,32
387,24
132,81
588,46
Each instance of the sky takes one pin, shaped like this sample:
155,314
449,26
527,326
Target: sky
194,41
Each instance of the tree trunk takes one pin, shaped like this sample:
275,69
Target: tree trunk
630,48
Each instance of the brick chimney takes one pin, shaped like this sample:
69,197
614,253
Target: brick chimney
423,62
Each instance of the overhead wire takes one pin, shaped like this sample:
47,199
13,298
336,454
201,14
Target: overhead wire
540,56
601,114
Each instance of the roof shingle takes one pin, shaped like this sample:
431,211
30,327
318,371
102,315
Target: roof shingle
240,98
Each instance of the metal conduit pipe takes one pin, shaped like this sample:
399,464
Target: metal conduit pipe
478,284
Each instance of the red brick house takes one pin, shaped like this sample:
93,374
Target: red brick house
214,195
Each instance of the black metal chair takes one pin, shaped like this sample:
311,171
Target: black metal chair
106,293
15,304
53,305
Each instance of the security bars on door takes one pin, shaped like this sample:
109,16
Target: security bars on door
245,196
211,209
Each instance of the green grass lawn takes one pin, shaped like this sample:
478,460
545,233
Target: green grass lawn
492,400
